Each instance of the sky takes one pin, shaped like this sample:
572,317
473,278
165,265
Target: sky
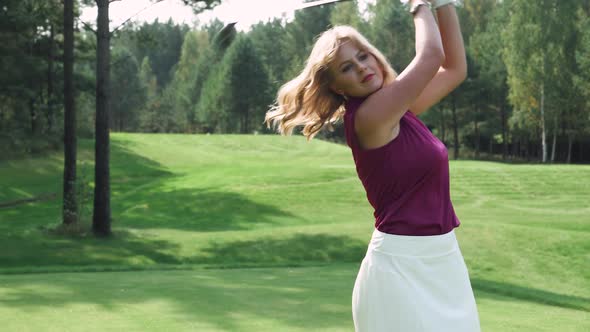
246,12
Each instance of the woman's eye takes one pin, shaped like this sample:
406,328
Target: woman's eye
346,68
363,56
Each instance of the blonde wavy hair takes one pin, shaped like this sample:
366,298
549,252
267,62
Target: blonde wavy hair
307,99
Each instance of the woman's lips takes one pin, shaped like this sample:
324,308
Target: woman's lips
368,78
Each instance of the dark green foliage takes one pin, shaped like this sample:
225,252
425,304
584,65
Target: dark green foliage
274,50
245,69
392,32
191,86
162,44
225,105
126,91
30,79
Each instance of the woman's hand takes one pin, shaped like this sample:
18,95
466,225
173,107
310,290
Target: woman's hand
409,2
439,3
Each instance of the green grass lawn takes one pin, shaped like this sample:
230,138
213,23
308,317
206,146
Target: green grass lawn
269,299
264,233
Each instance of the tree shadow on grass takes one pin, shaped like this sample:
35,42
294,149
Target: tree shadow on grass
124,250
206,211
501,290
299,249
310,298
129,169
141,198
199,209
147,201
303,298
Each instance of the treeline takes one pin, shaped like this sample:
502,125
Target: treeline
527,95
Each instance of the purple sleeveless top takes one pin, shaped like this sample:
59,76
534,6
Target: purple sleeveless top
406,180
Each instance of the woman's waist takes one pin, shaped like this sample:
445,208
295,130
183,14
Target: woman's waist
413,245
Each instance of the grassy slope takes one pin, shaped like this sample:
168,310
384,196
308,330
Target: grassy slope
268,201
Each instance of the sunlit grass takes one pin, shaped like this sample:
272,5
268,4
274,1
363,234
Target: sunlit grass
206,202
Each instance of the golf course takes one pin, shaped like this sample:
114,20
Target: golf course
266,233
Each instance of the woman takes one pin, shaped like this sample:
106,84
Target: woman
413,277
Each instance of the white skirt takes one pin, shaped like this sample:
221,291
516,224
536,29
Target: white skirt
414,284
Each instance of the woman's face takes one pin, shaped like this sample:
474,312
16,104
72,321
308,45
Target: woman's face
355,72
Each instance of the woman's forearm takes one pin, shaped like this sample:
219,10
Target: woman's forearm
452,39
428,37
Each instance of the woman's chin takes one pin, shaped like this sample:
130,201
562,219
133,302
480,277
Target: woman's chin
375,89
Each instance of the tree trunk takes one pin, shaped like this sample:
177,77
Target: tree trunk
32,100
581,151
70,205
443,129
554,140
101,219
543,132
570,140
476,131
504,131
455,128
121,123
33,114
527,147
50,78
515,146
246,125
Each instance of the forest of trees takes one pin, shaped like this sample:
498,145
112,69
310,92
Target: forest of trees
526,98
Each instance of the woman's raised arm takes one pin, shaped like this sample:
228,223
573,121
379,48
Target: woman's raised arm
381,112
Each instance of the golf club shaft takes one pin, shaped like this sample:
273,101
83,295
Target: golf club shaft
226,31
316,3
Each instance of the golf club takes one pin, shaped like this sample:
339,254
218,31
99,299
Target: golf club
227,33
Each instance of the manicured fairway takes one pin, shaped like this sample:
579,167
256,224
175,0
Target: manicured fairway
264,233
275,299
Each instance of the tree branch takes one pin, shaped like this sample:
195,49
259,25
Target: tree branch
208,4
87,26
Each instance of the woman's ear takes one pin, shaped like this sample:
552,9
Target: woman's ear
335,89
333,86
